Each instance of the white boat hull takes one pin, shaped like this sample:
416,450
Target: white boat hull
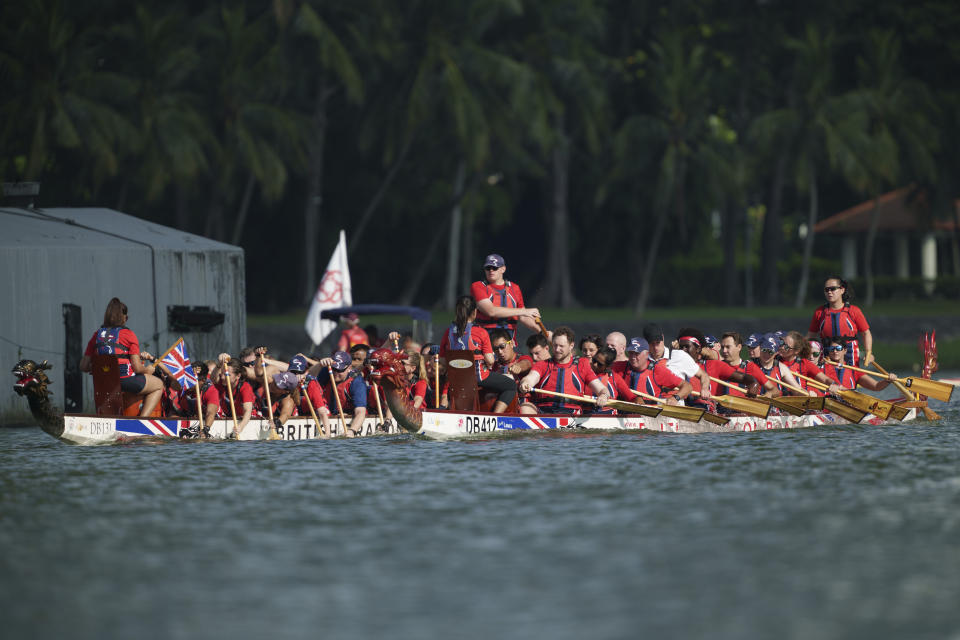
89,430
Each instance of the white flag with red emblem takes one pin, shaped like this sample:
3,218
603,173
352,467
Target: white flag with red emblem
334,291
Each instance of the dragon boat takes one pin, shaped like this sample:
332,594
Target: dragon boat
470,415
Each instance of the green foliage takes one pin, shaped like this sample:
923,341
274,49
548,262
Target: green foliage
669,116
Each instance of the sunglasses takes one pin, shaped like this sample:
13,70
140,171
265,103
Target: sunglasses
834,347
490,268
500,347
814,354
249,364
829,289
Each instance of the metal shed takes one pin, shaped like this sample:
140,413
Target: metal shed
62,266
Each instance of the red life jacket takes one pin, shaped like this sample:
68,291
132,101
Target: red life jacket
500,298
837,323
846,378
562,379
644,381
108,343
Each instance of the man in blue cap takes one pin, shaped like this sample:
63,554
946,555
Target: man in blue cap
752,343
652,378
499,301
348,384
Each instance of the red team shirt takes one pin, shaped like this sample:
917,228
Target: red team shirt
653,381
747,367
573,378
848,321
505,295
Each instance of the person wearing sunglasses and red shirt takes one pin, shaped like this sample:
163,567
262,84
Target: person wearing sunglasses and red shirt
840,319
499,301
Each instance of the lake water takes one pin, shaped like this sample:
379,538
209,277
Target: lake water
841,532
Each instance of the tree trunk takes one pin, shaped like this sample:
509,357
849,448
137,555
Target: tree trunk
558,286
748,259
467,267
652,248
425,257
772,235
868,250
453,245
808,244
728,238
244,209
354,241
313,206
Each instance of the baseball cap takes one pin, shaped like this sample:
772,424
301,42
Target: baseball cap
753,340
287,380
770,343
653,333
816,346
298,364
711,341
494,260
341,360
637,345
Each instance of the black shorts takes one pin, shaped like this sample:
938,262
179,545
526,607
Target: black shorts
133,384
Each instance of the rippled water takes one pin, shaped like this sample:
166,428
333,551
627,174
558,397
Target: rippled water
817,533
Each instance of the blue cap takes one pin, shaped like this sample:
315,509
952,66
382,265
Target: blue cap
341,360
770,343
753,340
637,345
711,341
298,364
286,380
494,260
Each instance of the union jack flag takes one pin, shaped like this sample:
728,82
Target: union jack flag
177,363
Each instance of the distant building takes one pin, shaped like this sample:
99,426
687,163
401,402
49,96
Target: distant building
905,222
62,266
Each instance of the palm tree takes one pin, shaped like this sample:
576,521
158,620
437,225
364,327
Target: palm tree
174,139
824,130
64,100
900,127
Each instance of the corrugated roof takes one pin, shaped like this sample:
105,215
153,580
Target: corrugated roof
94,227
905,209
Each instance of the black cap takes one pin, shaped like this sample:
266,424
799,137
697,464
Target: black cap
653,332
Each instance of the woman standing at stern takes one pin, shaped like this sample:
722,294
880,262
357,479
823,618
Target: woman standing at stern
840,319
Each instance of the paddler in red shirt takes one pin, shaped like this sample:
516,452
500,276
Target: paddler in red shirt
795,354
834,366
652,378
692,342
352,334
730,349
499,301
563,373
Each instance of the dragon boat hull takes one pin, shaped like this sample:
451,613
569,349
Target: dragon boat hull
93,430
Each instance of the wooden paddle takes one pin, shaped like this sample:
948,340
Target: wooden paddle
876,406
803,403
691,414
543,328
316,420
735,403
743,405
619,405
266,390
336,394
933,388
899,412
376,394
846,412
233,409
436,380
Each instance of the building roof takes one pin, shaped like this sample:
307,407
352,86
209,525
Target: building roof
91,227
905,209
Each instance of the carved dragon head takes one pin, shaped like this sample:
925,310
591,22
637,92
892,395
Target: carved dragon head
31,379
387,366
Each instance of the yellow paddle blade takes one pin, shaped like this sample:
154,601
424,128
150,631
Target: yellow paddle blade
846,412
785,407
744,405
682,413
633,407
807,403
876,406
932,388
898,412
715,419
